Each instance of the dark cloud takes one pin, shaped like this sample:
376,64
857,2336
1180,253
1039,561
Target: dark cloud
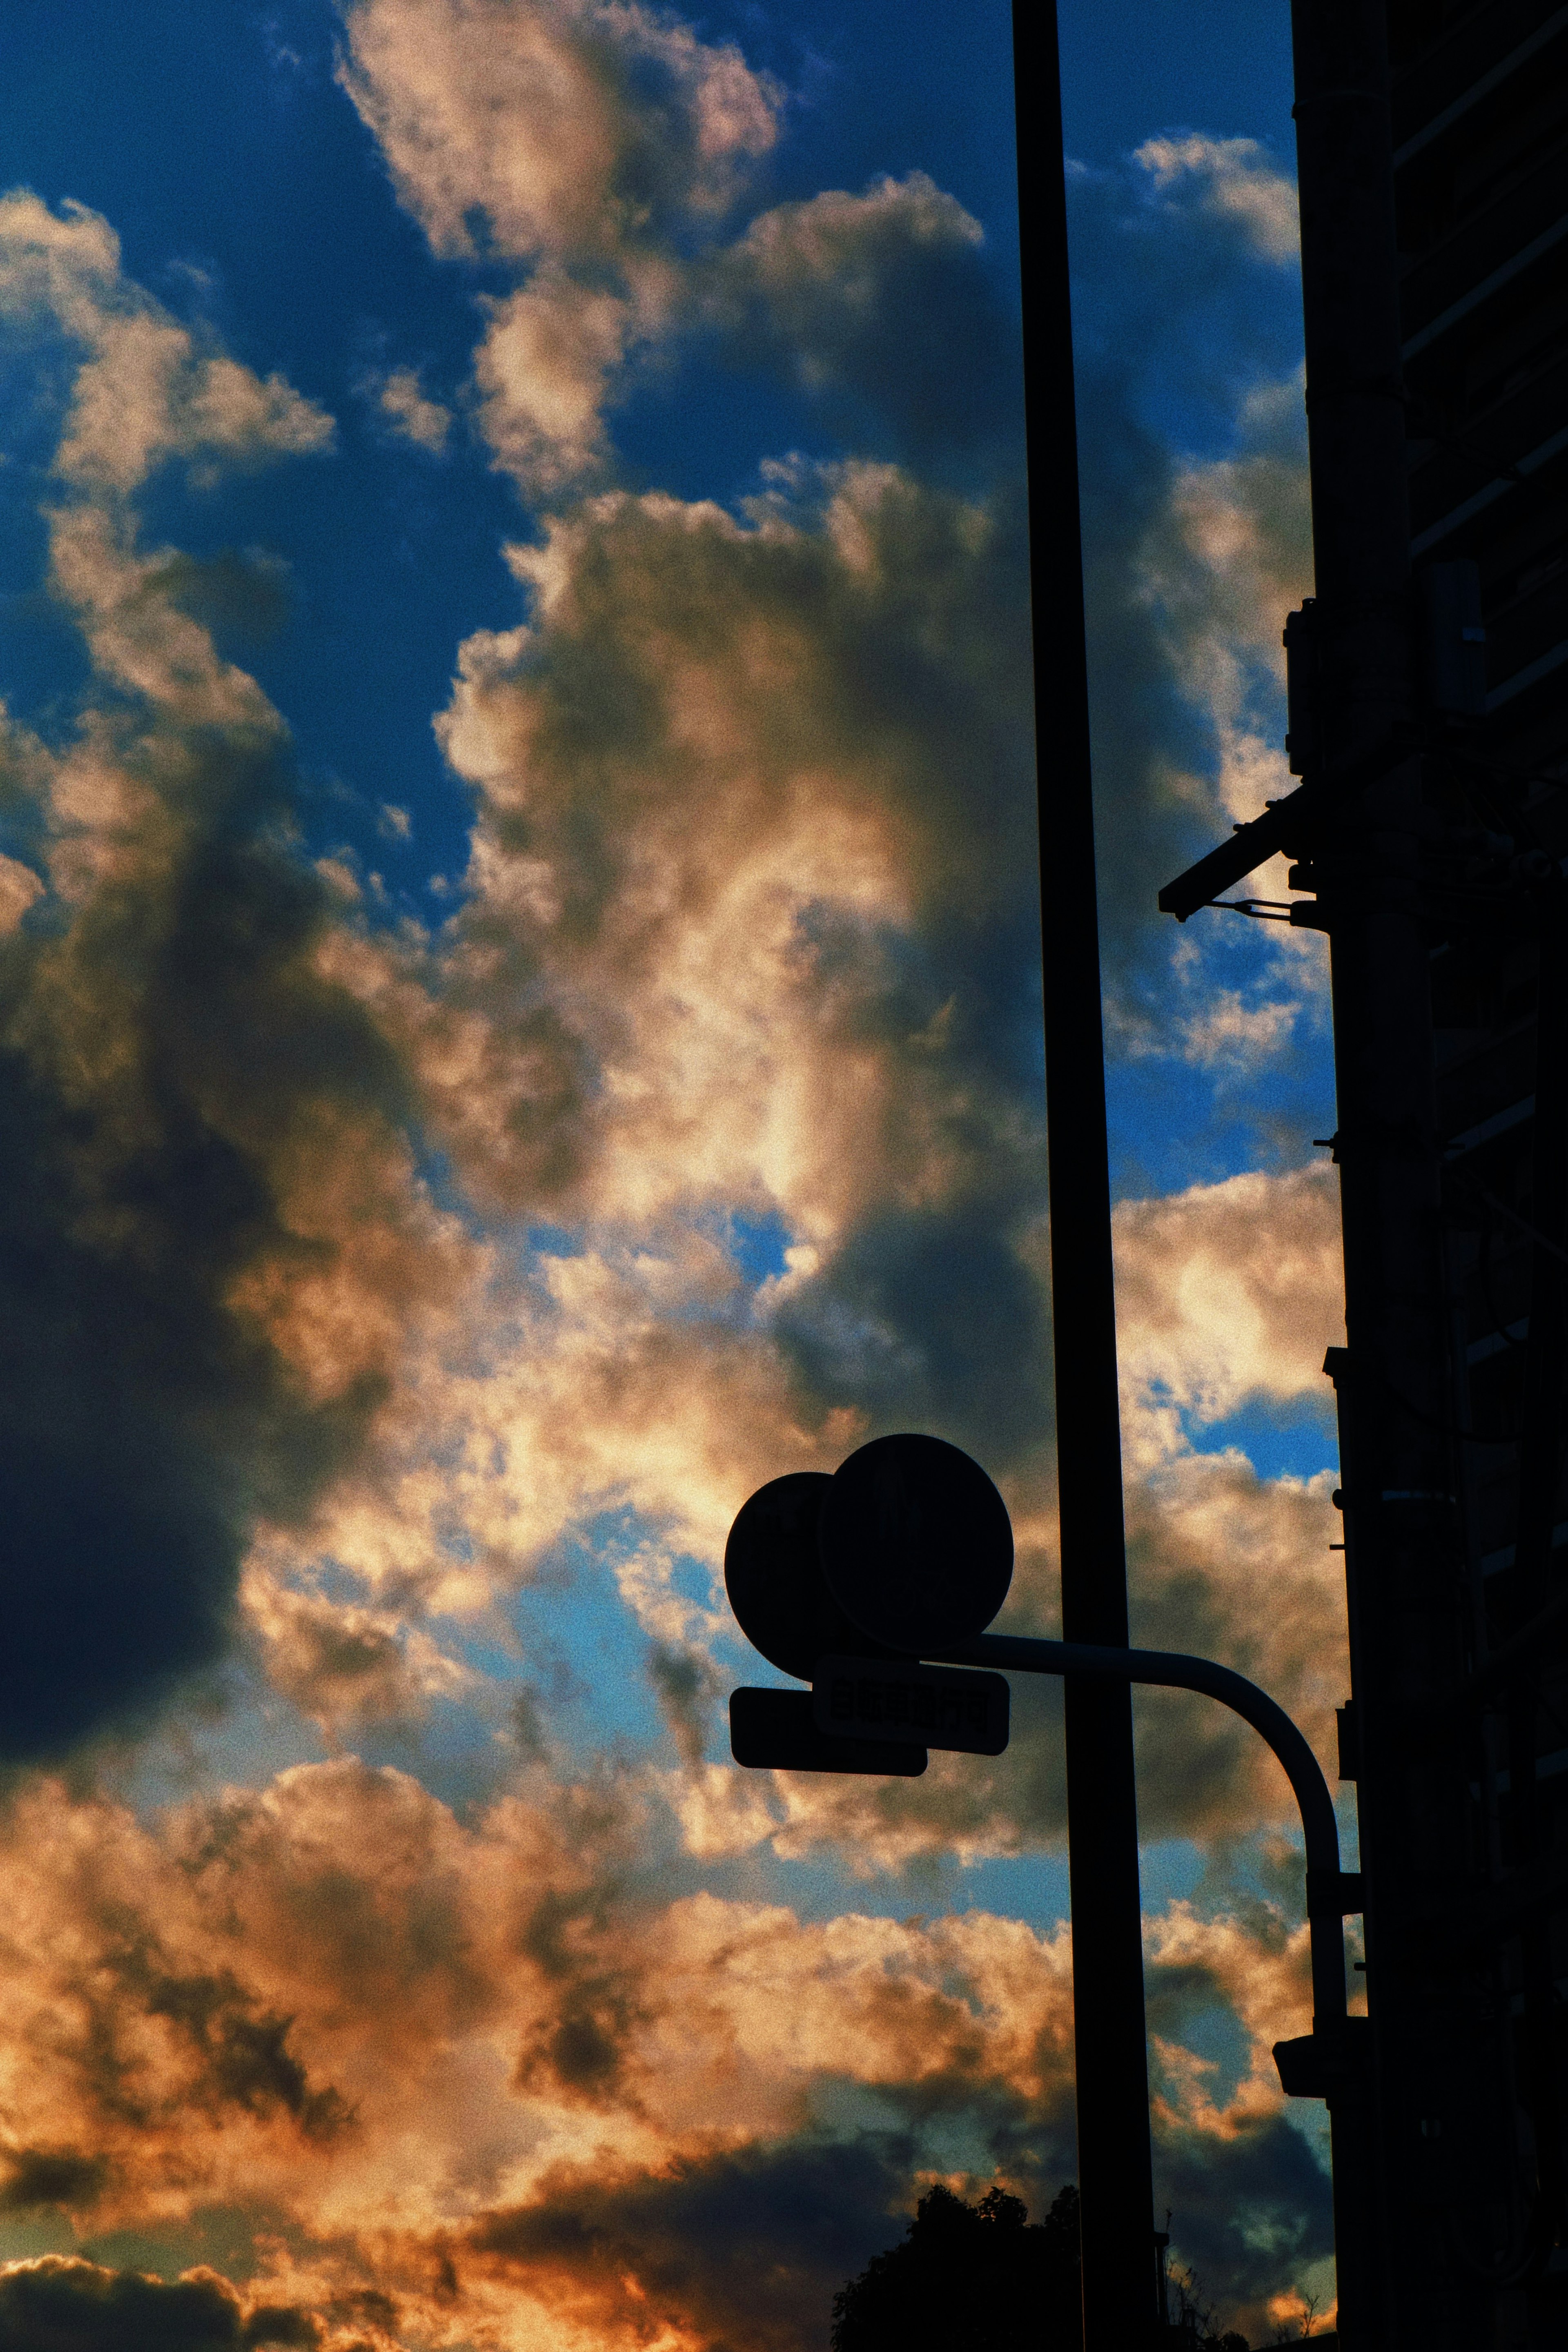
162,1046
60,2304
882,309
224,2052
241,594
578,2048
1142,726
1249,2212
745,2250
990,2129
52,2176
929,1320
686,1686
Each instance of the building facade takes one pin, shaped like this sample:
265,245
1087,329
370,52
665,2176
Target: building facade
1428,837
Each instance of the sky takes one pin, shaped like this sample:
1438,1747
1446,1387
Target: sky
519,1023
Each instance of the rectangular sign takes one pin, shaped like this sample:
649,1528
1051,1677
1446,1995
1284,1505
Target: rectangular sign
883,1699
776,1730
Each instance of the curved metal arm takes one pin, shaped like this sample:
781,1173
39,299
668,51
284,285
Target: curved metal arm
1171,1670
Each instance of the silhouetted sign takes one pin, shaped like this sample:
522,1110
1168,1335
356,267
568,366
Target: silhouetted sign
776,1731
1317,2064
773,1574
946,1707
916,1544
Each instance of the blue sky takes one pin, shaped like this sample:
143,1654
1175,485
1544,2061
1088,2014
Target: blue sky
520,1021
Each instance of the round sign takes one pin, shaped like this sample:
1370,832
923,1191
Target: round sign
916,1543
773,1574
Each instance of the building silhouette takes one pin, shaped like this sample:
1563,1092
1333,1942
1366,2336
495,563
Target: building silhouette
1428,837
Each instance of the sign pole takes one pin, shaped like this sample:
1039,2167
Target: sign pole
1115,2173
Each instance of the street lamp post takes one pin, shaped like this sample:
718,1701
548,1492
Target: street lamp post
1115,2175
875,1585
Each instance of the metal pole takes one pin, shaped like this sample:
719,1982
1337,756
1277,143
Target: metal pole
1115,2177
1328,1888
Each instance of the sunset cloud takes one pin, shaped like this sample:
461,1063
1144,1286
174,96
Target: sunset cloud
601,150
877,307
1229,1290
172,1065
143,388
585,144
1229,556
838,686
583,131
1197,536
60,2299
486,2052
447,1170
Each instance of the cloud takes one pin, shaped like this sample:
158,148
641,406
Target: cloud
335,1966
179,1081
143,388
1221,567
585,130
728,940
840,688
912,1321
51,2176
1193,465
1228,1565
155,1130
1228,1031
405,1266
587,144
408,410
879,308
1250,2192
72,2305
803,1001
542,372
1230,1291
599,150
632,1382
1227,1296
59,2299
1236,179
344,1666
750,2245
684,1680
19,890
795,1002
498,2075
1249,2212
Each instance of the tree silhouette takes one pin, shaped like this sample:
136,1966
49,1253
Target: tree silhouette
1195,2322
969,2278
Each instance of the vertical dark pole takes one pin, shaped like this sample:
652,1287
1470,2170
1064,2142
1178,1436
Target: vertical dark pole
1114,2171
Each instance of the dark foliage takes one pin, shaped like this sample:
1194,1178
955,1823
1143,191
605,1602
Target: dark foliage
981,2277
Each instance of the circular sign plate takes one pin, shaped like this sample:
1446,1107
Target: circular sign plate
772,1573
916,1543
